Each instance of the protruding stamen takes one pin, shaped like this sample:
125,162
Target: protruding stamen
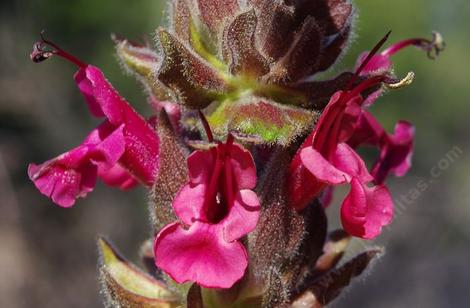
39,53
433,47
401,83
369,57
207,128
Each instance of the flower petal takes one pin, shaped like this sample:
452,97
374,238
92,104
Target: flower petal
395,153
348,161
378,64
117,176
322,169
86,88
243,216
200,254
366,210
101,97
201,165
64,178
188,203
142,144
73,174
109,145
243,167
367,131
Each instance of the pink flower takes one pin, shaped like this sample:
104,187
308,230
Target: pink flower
216,208
334,126
73,174
325,159
396,150
122,150
366,210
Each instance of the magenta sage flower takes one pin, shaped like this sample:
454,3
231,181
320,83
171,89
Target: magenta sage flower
122,150
215,209
326,159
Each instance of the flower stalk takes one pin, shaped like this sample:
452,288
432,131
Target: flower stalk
241,153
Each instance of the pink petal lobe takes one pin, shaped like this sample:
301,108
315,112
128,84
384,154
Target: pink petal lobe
395,153
322,169
65,178
366,210
108,149
303,186
243,167
117,176
73,174
348,161
367,131
378,64
201,166
85,86
242,217
349,119
200,254
100,94
189,202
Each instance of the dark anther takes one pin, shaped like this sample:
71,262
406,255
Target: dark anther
39,54
436,46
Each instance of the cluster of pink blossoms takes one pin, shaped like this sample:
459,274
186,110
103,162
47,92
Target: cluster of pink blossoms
217,206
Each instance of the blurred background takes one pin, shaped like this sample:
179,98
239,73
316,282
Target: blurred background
48,254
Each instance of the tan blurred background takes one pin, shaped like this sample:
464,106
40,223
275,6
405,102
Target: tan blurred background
48,254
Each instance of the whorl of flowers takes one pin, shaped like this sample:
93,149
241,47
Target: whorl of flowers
241,154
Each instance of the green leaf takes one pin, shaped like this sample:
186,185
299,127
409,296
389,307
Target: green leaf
127,286
261,120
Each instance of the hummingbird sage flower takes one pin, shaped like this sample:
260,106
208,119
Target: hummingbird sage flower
325,157
122,150
239,217
216,209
